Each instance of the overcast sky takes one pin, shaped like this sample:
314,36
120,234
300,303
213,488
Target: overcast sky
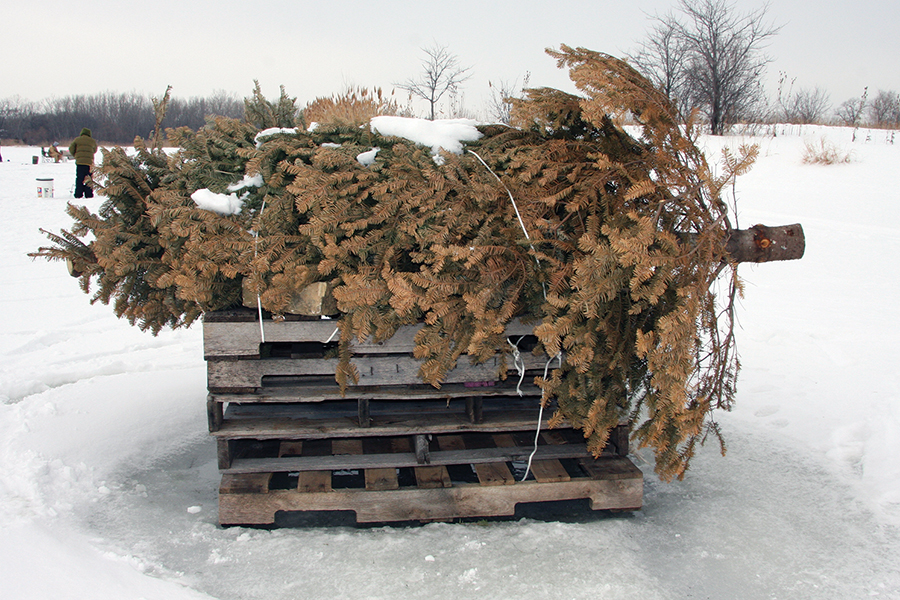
317,48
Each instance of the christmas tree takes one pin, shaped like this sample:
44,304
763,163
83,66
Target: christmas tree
609,242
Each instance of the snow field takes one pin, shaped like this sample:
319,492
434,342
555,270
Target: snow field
108,478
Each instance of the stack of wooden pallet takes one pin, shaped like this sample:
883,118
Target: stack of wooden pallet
390,448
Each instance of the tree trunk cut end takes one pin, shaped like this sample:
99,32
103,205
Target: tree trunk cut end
764,244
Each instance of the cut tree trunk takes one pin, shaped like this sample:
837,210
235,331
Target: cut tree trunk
763,244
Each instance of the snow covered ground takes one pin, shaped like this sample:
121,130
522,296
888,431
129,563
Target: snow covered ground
108,478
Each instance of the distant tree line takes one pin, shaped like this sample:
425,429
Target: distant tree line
812,105
112,117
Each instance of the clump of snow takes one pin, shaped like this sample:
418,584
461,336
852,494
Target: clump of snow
367,158
221,204
247,181
446,134
262,135
330,145
226,204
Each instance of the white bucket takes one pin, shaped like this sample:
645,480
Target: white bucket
45,188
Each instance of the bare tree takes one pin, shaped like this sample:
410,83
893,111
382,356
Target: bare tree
500,101
723,62
441,74
662,58
850,111
806,106
884,109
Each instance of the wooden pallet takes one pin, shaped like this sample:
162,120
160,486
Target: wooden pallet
381,479
389,448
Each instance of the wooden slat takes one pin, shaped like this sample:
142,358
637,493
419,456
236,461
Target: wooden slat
245,483
614,467
489,472
310,481
300,428
475,409
494,474
544,471
549,471
223,452
553,436
619,438
373,370
221,339
242,338
347,409
324,388
403,459
504,440
214,414
381,479
432,477
401,444
451,442
314,481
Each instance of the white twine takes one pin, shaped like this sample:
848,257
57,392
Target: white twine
511,199
537,433
520,365
262,332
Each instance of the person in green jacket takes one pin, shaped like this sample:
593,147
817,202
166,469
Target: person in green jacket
83,149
